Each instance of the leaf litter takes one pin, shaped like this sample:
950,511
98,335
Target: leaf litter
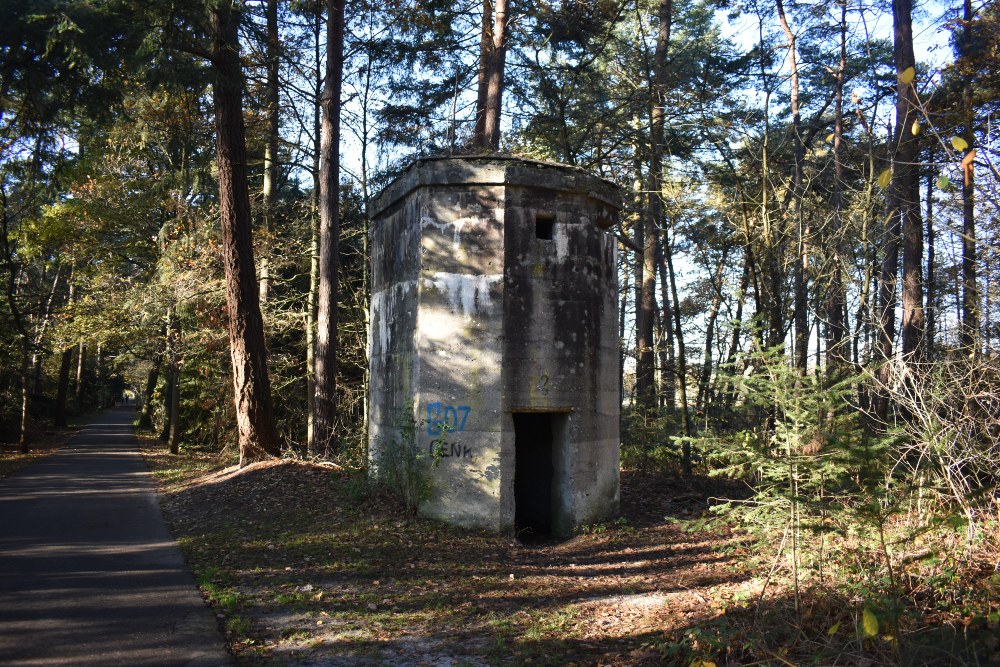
327,571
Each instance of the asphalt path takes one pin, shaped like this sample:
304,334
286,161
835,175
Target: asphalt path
89,573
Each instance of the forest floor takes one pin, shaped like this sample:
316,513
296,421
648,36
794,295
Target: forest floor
309,565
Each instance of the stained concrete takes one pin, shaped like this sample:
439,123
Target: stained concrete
475,318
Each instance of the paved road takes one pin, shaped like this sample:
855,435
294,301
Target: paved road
89,574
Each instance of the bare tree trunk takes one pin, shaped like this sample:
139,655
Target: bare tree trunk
970,286
801,310
492,60
623,304
22,440
645,390
146,412
905,182
272,102
836,352
168,404
59,411
258,437
81,365
172,377
638,266
704,382
174,417
729,390
65,363
665,334
41,327
681,364
314,245
325,438
930,295
36,372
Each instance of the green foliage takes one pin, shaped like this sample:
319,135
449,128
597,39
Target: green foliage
403,467
812,469
650,440
807,450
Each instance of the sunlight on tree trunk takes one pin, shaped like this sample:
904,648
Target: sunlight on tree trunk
492,61
325,439
258,438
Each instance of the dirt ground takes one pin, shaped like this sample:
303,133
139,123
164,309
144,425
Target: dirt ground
308,565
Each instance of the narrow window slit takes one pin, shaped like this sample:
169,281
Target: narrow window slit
544,225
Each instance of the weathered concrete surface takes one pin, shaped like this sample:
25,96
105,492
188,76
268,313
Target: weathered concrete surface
475,319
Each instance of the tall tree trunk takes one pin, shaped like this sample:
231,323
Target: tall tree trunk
492,60
81,366
258,438
36,372
314,243
152,377
639,228
801,318
22,440
103,391
931,295
704,382
730,389
174,416
65,363
667,312
654,215
168,404
681,364
836,315
59,410
905,182
270,186
325,439
970,285
39,336
172,377
622,347
886,315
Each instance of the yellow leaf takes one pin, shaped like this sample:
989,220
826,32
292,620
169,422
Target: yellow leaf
702,663
915,128
869,623
829,137
943,182
907,75
833,630
959,143
885,178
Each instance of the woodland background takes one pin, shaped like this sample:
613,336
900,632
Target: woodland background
809,265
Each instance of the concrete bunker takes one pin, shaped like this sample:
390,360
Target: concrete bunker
494,350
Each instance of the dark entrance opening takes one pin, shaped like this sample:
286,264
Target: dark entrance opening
533,474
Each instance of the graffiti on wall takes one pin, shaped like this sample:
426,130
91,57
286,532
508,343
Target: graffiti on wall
443,419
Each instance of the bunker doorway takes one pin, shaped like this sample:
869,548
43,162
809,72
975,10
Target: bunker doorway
539,496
